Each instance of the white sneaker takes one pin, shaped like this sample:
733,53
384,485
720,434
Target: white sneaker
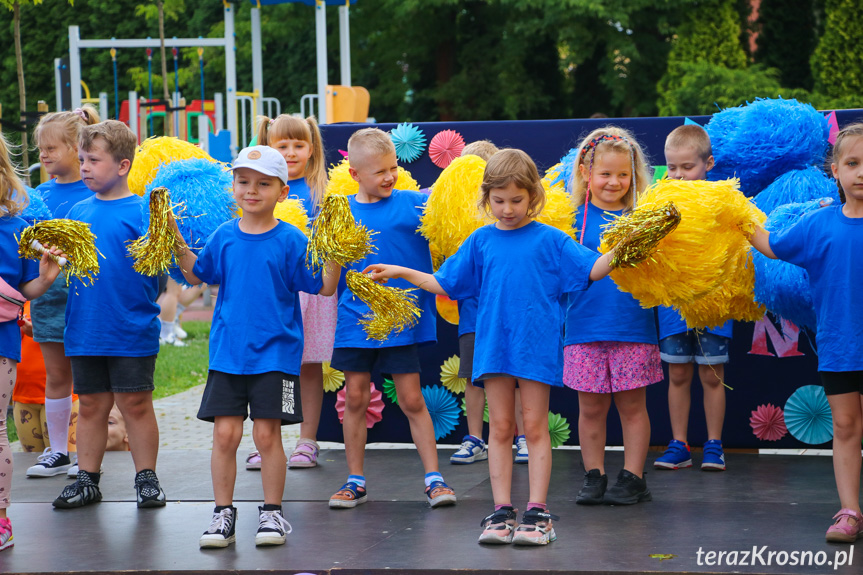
171,340
50,464
179,331
521,449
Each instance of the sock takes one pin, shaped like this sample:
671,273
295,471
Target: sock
220,507
360,480
271,507
167,329
505,505
93,477
534,505
432,477
180,309
58,412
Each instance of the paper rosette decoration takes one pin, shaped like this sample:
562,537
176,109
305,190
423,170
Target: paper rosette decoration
445,147
442,408
410,142
807,415
768,423
449,375
484,412
341,182
373,414
389,388
333,378
558,429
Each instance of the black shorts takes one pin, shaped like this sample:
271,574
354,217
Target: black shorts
838,382
465,352
399,359
104,373
271,395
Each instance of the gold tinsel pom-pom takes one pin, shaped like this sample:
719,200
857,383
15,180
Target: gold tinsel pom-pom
153,152
74,238
155,251
333,378
392,309
336,235
341,182
291,210
451,213
449,375
559,211
707,254
637,233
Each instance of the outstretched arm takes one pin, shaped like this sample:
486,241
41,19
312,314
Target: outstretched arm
331,279
760,240
383,272
602,266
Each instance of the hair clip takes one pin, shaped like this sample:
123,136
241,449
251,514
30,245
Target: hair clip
603,138
270,122
81,113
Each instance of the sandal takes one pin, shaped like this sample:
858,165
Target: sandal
843,530
305,454
253,461
349,496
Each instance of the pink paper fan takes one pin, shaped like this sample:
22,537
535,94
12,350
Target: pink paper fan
768,423
373,414
445,147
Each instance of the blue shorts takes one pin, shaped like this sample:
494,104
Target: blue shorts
703,348
48,313
399,359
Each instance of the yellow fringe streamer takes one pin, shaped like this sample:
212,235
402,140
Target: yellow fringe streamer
706,256
152,153
292,211
341,182
74,238
637,233
392,309
154,251
336,235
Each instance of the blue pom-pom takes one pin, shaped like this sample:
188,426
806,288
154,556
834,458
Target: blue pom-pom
36,210
204,188
567,170
797,186
781,287
764,139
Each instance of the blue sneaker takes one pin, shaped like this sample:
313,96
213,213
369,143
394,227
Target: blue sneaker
676,456
472,449
521,449
714,457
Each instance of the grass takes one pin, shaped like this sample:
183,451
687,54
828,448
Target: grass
177,368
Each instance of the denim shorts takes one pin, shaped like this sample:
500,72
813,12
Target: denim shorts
48,313
270,395
398,359
104,373
703,348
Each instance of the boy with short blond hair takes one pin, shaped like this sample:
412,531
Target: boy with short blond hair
395,216
112,327
688,156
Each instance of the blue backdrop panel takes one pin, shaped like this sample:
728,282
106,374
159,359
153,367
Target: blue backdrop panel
769,359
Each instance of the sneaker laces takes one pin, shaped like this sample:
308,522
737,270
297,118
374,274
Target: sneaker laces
222,521
147,484
49,459
274,521
45,455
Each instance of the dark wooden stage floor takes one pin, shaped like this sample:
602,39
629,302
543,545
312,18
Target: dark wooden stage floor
780,504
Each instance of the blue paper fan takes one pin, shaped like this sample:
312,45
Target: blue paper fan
808,417
443,410
36,210
410,142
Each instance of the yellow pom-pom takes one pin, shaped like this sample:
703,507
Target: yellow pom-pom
451,213
291,210
559,211
449,375
392,309
155,251
341,182
152,153
74,238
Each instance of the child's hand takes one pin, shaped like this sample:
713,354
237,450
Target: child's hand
49,264
173,223
381,272
26,326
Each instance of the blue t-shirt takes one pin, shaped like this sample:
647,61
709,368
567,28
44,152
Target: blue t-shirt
670,323
61,197
603,312
519,277
14,271
398,242
117,315
827,244
467,309
299,189
257,322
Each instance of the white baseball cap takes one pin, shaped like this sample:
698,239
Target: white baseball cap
263,159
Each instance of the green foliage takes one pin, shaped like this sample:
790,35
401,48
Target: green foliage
786,39
836,61
179,368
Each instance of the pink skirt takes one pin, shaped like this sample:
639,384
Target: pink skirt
319,326
609,366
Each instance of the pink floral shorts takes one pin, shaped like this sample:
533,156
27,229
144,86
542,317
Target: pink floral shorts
609,366
319,326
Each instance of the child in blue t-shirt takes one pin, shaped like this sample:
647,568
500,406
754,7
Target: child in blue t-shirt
611,350
31,280
689,156
112,326
258,262
57,137
519,269
395,216
826,243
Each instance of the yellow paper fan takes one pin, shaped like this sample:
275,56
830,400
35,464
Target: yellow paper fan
292,211
333,378
449,375
342,183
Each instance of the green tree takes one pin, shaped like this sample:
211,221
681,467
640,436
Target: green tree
786,40
836,61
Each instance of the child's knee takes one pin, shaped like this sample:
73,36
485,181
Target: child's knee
501,429
412,403
357,397
267,434
227,436
847,427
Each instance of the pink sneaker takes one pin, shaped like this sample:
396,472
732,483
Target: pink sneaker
253,461
305,454
847,528
6,533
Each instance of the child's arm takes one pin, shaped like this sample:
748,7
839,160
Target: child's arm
187,259
331,279
48,272
760,240
602,266
382,272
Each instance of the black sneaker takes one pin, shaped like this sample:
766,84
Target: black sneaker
150,493
83,492
220,533
49,464
628,490
593,488
273,528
